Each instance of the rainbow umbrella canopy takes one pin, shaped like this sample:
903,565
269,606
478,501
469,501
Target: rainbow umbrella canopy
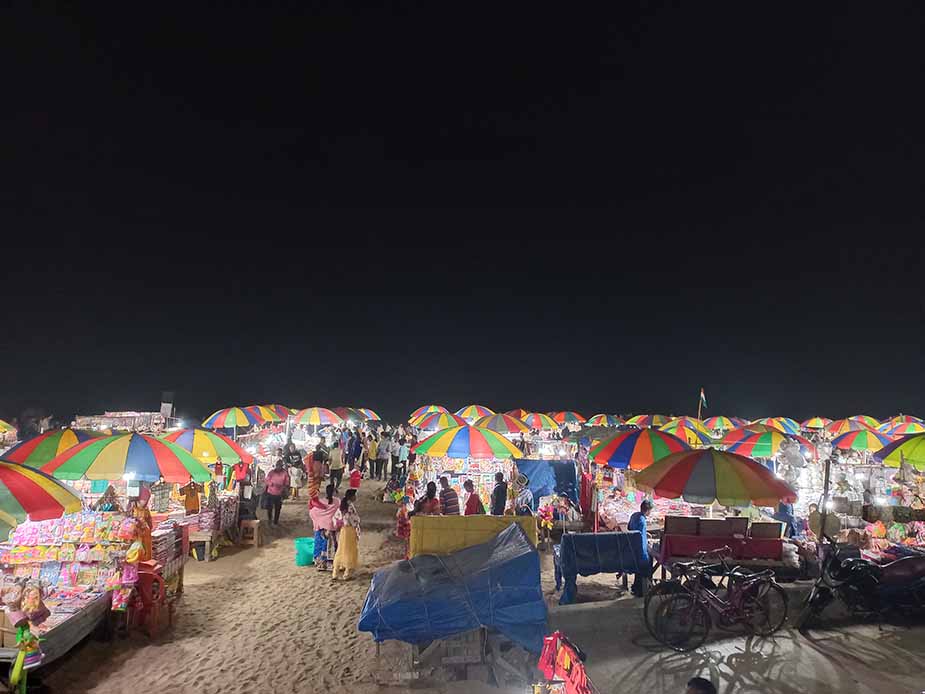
694,437
686,423
719,422
540,421
349,414
40,449
648,420
264,414
503,424
207,446
467,442
438,420
426,409
636,449
280,411
754,444
369,414
569,417
604,420
473,412
127,456
28,494
230,418
904,418
318,416
908,449
518,413
843,426
816,423
872,422
708,475
862,440
903,428
785,424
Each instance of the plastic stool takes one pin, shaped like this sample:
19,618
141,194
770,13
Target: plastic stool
250,533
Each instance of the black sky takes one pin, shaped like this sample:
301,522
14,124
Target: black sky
600,206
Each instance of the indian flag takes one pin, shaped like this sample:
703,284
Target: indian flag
703,398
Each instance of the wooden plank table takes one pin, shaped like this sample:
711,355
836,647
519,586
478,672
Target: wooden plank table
208,537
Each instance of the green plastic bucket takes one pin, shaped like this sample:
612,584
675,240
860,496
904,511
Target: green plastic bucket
304,551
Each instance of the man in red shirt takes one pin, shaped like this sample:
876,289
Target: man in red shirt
277,482
474,505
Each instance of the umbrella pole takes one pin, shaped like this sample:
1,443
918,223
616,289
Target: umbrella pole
825,498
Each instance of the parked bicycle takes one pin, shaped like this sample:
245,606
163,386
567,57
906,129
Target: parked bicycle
755,601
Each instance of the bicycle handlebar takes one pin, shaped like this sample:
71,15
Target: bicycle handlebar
720,552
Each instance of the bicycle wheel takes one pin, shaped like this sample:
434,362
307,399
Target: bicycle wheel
764,607
657,594
682,622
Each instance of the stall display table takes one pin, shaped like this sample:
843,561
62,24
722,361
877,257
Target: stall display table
208,538
62,637
594,553
675,547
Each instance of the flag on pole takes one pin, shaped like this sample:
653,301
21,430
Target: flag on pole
703,398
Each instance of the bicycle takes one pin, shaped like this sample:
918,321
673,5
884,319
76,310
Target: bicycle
756,601
660,591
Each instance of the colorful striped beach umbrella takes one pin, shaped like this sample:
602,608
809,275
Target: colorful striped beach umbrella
369,414
863,440
281,411
473,412
518,413
230,418
816,423
736,435
438,420
687,423
426,409
540,421
785,424
348,414
503,424
6,427
648,420
757,445
635,449
40,449
263,414
872,422
318,416
904,428
605,420
569,417
127,456
207,446
467,442
843,426
908,449
694,437
720,422
708,475
28,494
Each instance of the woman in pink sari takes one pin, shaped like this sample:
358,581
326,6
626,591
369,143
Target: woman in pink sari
321,511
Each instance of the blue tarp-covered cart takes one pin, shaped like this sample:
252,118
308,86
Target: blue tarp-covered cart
480,608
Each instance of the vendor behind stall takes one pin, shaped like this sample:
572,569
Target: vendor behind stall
638,522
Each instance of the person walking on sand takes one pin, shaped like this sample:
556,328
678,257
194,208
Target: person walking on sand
372,452
382,457
337,465
277,484
322,512
347,521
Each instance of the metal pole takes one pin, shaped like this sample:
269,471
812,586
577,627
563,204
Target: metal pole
825,498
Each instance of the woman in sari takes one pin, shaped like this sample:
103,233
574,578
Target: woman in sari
347,520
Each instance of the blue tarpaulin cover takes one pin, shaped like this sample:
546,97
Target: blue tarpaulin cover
595,553
495,584
549,477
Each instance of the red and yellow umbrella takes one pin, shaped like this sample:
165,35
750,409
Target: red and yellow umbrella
569,417
843,426
426,409
438,420
708,475
209,446
861,440
503,424
518,413
28,494
467,442
40,449
369,414
635,449
687,423
318,416
281,411
473,412
229,418
540,421
263,414
648,420
605,420
127,456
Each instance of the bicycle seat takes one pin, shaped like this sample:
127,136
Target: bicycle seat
905,570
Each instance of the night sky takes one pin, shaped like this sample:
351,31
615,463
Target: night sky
599,207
